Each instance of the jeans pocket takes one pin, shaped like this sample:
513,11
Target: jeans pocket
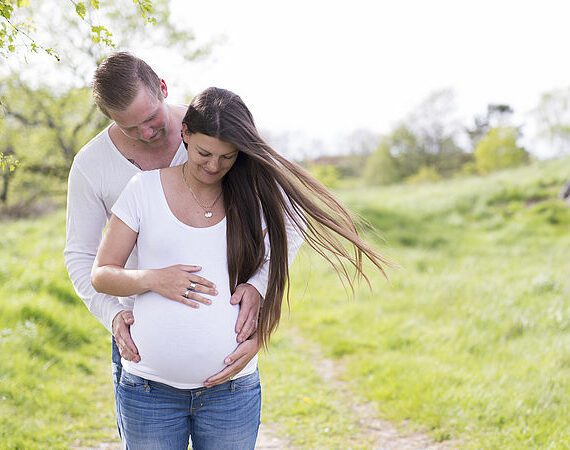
130,380
246,382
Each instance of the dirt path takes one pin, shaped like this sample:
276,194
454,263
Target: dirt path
383,434
268,439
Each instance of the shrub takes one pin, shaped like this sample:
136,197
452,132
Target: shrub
498,150
327,174
424,175
382,167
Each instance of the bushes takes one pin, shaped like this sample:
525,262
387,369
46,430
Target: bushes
424,175
382,167
327,174
498,150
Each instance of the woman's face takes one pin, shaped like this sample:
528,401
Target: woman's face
209,159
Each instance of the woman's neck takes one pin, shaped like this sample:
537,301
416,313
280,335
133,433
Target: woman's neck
203,191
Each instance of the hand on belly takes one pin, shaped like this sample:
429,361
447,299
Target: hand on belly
181,345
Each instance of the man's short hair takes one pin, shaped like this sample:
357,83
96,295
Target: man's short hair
118,79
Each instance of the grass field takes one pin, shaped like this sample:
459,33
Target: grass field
469,341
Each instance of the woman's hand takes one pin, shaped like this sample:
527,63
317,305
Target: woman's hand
235,362
179,283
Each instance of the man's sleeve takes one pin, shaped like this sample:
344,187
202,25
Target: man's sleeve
260,279
86,219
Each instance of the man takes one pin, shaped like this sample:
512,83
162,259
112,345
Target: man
145,135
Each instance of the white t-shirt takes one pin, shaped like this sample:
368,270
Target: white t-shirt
178,345
98,175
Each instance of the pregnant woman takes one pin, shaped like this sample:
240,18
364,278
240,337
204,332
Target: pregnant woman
231,207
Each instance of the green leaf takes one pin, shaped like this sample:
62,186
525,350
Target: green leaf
51,51
81,10
94,4
6,10
146,9
8,163
11,48
100,34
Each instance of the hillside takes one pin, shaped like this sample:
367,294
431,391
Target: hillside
469,341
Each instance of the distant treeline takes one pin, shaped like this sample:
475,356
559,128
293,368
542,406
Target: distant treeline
430,145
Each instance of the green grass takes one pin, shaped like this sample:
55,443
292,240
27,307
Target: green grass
54,370
309,413
468,341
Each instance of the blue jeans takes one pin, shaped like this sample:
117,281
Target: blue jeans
156,416
117,367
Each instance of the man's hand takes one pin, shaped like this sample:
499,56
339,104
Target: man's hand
249,299
122,332
243,354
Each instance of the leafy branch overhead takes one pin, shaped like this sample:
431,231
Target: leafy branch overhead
17,29
46,110
8,163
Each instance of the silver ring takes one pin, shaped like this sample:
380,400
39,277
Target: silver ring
192,286
185,295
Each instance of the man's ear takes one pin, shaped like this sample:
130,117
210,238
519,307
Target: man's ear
163,88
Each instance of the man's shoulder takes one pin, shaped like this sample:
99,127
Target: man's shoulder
96,148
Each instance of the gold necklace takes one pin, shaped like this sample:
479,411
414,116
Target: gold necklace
208,213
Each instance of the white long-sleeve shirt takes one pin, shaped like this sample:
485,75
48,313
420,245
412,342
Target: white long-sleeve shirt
98,175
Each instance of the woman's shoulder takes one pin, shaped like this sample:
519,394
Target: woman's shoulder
142,180
147,176
169,171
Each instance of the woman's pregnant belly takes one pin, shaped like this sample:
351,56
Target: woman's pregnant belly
179,345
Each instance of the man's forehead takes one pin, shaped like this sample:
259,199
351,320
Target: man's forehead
138,112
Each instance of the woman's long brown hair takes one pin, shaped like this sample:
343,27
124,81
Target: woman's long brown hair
262,181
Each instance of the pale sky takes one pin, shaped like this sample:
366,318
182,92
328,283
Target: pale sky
317,70
326,68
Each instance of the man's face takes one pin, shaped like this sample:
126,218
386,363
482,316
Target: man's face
145,119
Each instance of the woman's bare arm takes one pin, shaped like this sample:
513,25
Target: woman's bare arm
110,276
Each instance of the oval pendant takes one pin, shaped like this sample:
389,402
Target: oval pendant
208,214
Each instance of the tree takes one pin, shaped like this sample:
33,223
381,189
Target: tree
17,30
382,167
327,174
498,150
8,163
497,115
436,129
43,130
51,104
553,116
80,54
67,120
406,149
426,138
361,142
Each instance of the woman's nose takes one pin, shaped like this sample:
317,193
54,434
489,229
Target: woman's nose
214,164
